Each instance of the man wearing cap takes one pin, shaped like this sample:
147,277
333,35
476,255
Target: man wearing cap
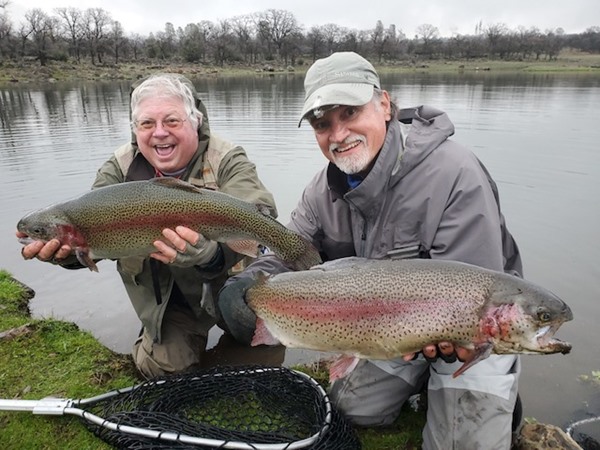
397,187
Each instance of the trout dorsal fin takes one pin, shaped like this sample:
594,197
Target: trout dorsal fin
175,183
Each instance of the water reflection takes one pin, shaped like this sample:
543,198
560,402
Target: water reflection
538,135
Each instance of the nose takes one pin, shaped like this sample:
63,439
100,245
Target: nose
160,129
339,132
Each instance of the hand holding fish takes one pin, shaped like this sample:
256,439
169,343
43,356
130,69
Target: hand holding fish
51,251
184,247
445,350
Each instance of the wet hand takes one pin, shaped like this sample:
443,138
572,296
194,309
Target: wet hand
184,247
44,251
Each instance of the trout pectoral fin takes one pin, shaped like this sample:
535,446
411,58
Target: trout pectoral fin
482,351
84,258
342,367
262,336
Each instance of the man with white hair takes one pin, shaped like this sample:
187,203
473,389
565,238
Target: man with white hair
397,186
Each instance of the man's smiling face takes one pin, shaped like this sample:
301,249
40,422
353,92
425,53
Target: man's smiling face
168,149
351,136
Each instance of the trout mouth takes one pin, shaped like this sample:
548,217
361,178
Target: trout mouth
26,240
547,343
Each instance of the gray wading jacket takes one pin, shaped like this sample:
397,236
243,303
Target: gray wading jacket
426,196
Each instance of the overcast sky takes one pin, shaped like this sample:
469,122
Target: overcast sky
449,16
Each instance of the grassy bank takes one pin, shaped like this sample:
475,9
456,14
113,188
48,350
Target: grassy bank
12,72
42,358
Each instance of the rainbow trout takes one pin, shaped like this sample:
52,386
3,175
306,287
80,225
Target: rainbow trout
383,309
124,220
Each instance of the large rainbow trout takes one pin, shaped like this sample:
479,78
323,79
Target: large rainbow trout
385,309
125,219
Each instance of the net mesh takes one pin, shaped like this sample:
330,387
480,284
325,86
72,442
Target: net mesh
249,404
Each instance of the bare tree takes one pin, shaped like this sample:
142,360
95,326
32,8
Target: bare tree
378,39
427,34
206,29
395,39
5,34
589,40
222,38
244,31
275,26
96,25
315,40
40,27
136,43
554,40
166,42
117,39
71,22
494,34
333,34
356,41
192,45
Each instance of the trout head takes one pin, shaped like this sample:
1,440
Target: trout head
46,224
522,317
49,223
518,317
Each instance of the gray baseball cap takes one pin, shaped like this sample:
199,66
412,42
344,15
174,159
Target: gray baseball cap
344,78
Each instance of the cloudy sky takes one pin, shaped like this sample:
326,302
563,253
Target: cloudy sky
449,16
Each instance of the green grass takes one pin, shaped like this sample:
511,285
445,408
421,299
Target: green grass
52,358
56,358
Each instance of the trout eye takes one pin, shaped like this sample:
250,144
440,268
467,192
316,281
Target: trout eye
544,316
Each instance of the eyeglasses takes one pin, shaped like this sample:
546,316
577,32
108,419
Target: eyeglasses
171,123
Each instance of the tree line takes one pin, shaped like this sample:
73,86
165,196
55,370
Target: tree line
273,35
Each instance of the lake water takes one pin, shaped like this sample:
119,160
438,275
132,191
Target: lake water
538,135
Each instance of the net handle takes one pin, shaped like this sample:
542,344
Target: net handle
50,406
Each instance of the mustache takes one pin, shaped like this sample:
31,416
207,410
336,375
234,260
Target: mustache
349,140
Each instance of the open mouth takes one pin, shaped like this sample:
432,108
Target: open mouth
548,343
164,150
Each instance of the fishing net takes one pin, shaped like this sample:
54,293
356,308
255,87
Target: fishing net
241,407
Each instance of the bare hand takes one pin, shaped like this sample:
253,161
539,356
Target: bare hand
44,251
446,350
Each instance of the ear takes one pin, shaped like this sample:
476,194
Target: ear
386,105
